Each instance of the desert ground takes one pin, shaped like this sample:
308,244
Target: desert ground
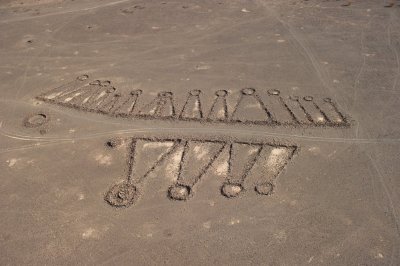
199,132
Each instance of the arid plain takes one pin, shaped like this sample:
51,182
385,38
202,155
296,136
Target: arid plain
199,132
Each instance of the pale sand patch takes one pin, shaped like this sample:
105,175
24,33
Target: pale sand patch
314,150
196,106
173,167
234,221
103,159
12,162
207,225
90,233
277,158
200,152
70,98
222,169
221,113
252,150
81,196
153,145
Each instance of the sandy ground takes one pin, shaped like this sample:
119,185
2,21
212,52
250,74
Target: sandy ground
199,133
